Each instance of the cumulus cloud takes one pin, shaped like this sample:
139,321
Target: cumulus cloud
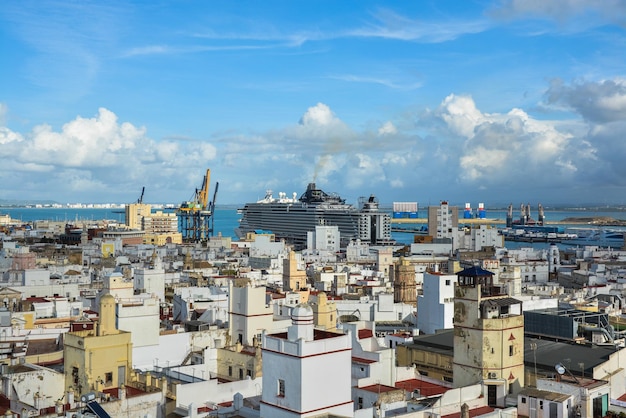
97,155
460,149
460,114
596,101
99,142
511,148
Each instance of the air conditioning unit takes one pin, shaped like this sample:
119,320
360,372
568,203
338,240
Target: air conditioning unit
492,375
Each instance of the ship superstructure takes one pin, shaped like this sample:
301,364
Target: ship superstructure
290,218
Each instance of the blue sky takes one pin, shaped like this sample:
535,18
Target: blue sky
512,101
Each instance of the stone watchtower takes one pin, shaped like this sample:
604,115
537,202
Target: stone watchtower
488,336
404,287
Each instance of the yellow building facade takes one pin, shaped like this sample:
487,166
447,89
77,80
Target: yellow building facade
98,359
135,212
433,363
324,313
239,362
293,278
164,238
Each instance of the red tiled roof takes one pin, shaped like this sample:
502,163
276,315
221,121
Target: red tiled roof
362,360
365,333
318,334
476,412
37,300
425,388
130,392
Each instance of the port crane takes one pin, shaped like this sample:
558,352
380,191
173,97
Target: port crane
140,200
195,216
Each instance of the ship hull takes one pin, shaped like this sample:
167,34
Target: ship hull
292,221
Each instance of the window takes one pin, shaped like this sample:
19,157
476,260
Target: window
359,403
249,373
230,370
448,282
240,374
510,350
281,388
108,378
523,399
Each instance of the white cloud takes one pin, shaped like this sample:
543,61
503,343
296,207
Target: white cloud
99,155
7,136
97,142
318,115
396,183
463,148
461,115
363,169
391,25
388,128
509,148
597,101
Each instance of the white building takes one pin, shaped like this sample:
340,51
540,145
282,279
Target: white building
250,314
29,277
381,308
306,372
151,280
482,236
325,237
263,247
186,300
360,252
435,307
137,314
140,317
443,221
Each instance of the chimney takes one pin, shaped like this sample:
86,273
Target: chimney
465,411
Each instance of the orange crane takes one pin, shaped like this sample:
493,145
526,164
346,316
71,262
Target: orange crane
199,200
195,216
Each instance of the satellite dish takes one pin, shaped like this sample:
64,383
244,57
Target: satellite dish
560,369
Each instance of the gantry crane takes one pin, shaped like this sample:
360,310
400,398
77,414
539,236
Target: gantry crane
195,216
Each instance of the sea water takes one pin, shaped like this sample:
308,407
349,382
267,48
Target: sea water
226,219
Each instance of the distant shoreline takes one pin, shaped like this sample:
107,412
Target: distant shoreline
591,220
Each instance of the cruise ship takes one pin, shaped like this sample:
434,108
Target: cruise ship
290,218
